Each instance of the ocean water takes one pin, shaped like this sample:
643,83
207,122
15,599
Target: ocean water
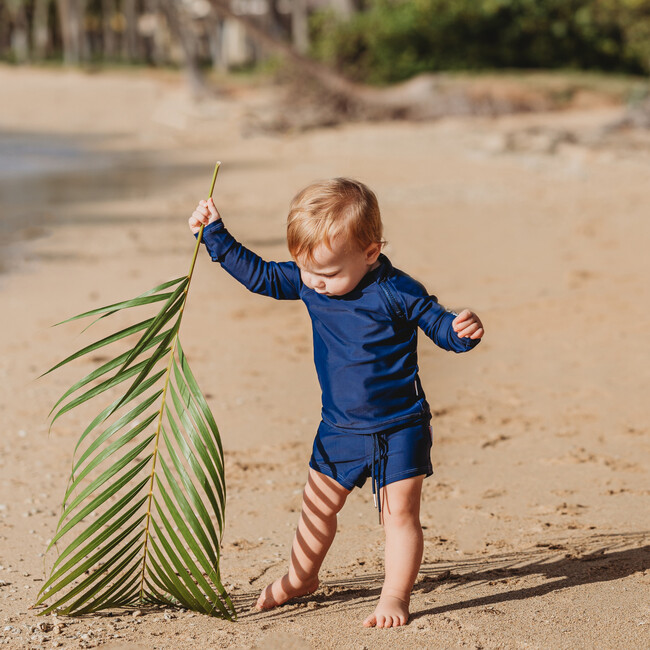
43,175
32,154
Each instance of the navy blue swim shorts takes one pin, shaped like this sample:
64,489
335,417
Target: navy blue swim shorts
386,457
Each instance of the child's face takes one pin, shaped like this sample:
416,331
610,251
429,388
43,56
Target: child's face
336,271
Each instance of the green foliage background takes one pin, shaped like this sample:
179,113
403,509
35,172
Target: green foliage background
392,40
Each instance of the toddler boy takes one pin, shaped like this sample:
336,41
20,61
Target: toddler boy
375,418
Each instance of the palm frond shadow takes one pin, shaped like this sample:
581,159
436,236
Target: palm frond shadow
565,563
144,509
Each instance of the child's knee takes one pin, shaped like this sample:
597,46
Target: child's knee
401,503
400,515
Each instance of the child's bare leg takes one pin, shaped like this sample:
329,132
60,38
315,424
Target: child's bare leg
322,499
404,545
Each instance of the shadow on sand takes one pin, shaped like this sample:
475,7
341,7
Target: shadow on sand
564,564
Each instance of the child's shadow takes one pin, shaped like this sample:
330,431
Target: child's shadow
567,563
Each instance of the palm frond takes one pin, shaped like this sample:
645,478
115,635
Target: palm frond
144,510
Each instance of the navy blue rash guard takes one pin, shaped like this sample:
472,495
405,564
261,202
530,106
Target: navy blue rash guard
365,342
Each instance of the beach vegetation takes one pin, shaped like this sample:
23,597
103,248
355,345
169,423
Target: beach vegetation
394,40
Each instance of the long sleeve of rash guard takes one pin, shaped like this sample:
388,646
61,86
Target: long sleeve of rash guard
279,280
436,322
430,316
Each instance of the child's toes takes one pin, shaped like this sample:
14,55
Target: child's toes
371,621
265,601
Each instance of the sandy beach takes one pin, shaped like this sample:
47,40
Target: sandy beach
537,519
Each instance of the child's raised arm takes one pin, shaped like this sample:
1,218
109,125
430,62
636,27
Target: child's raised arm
205,212
279,280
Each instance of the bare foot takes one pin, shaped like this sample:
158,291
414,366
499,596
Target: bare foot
282,590
390,612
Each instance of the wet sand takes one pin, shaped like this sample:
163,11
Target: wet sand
537,532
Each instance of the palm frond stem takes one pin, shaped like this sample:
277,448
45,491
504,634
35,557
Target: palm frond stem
164,393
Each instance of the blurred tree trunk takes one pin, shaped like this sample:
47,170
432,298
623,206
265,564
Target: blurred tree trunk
108,33
130,30
158,53
299,26
214,28
20,31
71,15
276,25
180,29
40,29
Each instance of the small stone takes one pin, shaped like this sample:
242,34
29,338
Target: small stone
45,627
136,613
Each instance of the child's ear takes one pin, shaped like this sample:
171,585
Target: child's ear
372,253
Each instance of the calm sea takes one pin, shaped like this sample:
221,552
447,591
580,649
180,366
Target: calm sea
42,176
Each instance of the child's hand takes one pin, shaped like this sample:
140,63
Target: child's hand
205,213
467,323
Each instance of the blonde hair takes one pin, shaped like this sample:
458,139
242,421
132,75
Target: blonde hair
327,209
